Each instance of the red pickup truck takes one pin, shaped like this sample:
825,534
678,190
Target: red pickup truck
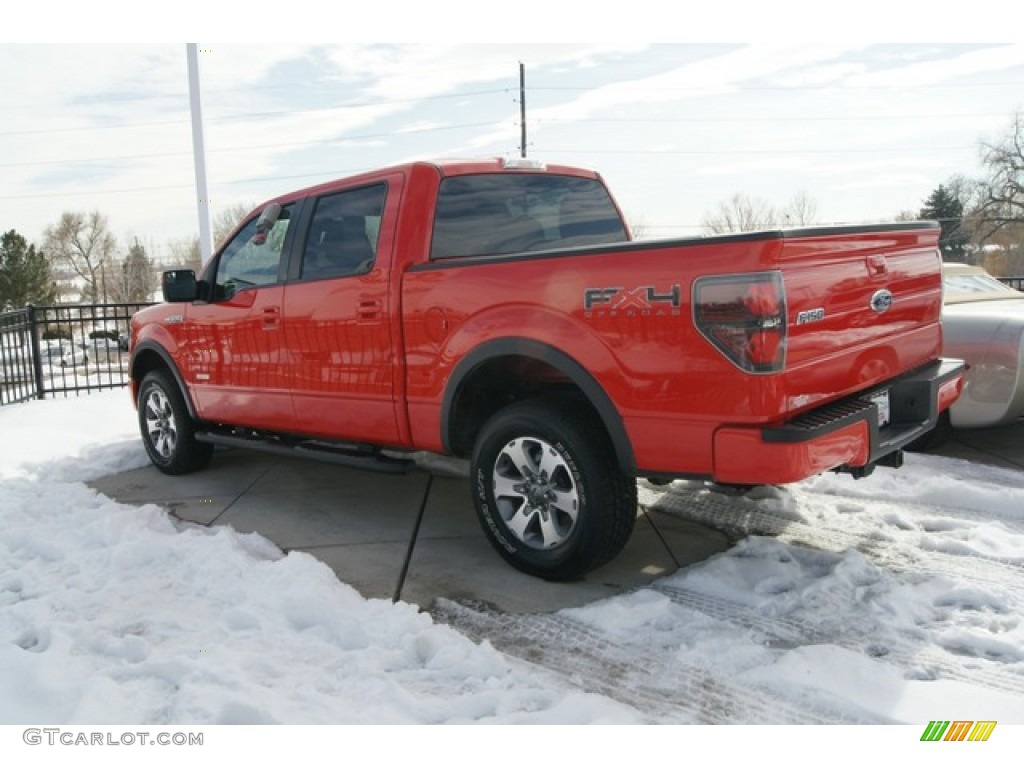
499,311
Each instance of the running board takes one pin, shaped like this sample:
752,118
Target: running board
332,454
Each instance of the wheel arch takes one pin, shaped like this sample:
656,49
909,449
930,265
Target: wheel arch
150,356
507,370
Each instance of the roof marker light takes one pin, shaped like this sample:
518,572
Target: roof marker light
522,164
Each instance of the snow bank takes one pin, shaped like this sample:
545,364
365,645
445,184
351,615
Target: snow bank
111,613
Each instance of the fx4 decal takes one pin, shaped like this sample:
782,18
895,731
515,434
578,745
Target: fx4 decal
642,301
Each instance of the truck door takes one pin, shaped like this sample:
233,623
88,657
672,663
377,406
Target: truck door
233,343
339,332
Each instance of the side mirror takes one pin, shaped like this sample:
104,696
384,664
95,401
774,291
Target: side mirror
266,222
179,285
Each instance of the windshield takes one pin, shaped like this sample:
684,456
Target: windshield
974,285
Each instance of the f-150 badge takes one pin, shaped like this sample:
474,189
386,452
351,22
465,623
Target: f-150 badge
810,316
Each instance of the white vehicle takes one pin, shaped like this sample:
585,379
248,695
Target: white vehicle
63,354
102,348
983,323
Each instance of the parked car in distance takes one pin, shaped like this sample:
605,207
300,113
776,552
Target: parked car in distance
983,323
16,364
63,354
102,348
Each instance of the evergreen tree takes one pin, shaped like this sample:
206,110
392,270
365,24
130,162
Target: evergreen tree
24,274
945,207
135,277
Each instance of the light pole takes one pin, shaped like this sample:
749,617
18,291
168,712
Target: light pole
199,153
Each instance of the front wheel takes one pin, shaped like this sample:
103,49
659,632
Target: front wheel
168,432
548,491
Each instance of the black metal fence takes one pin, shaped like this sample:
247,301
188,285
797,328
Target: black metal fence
1014,282
68,349
63,350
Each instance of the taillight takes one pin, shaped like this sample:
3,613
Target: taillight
744,317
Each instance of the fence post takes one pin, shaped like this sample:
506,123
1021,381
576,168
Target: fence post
37,355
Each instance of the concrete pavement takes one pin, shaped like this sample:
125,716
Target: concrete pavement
999,446
361,524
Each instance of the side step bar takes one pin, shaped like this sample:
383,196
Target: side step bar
348,456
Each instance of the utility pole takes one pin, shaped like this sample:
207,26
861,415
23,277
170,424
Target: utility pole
199,153
522,109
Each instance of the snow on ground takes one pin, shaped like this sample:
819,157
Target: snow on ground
111,613
895,599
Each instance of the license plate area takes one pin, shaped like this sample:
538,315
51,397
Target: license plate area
882,403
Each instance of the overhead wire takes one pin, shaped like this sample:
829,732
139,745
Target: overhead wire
227,118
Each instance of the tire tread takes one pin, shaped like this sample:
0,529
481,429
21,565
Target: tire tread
616,511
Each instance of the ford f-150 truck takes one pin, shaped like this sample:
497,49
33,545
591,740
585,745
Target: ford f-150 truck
499,311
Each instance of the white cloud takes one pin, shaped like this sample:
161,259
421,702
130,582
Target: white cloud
876,181
674,127
939,70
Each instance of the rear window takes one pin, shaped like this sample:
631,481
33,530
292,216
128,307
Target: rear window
491,214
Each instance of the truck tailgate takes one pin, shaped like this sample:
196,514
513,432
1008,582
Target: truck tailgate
863,305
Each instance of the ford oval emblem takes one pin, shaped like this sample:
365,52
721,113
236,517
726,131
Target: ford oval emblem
881,301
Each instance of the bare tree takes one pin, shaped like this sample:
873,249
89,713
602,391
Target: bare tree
226,220
999,213
81,244
185,253
801,211
1002,192
740,213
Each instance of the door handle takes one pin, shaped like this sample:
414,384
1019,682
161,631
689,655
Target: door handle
369,310
877,265
271,317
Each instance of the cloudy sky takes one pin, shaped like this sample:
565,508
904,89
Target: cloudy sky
866,130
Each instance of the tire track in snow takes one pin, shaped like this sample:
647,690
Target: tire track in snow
892,549
907,553
658,681
915,657
654,681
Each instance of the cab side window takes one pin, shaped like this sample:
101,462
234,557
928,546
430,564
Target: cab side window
343,233
253,257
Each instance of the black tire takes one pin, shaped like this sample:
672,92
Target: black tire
548,490
168,432
929,441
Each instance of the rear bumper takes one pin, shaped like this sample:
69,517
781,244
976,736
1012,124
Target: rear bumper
842,436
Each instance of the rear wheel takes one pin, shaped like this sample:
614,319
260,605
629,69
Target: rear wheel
548,491
168,432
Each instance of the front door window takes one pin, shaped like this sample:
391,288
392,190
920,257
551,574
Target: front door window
252,258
